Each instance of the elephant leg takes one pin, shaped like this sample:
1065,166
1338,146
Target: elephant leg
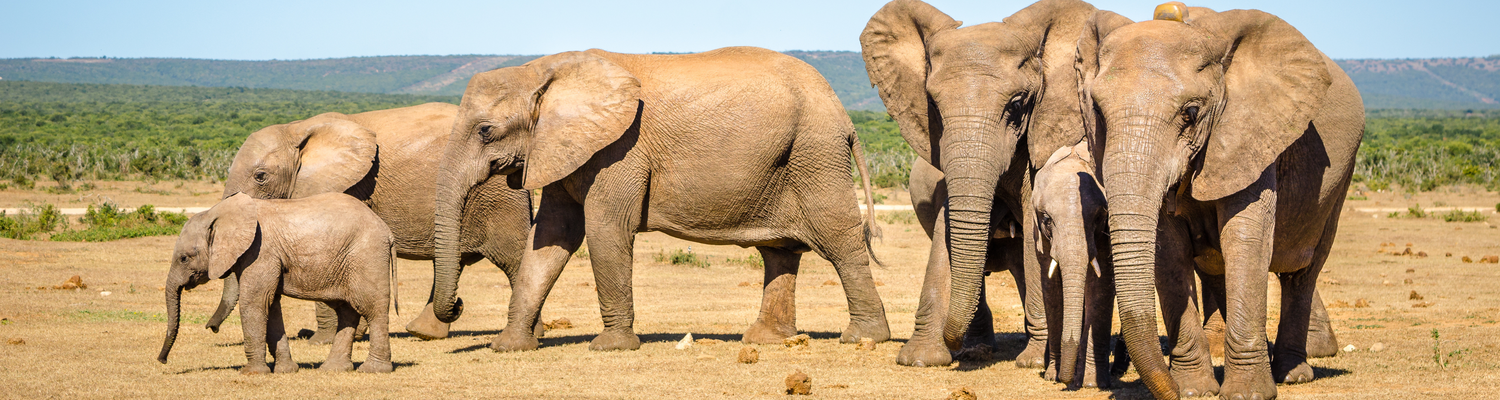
507,256
848,253
558,232
1052,299
1100,318
377,313
1212,292
258,286
328,324
1289,355
926,348
614,211
276,337
1191,364
340,352
979,341
778,302
1321,342
1248,220
1029,283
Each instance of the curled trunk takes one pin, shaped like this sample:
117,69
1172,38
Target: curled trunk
453,183
227,301
972,165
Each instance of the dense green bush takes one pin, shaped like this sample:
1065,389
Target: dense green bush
1425,149
107,222
26,225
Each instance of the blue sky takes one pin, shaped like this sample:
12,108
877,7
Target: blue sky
258,30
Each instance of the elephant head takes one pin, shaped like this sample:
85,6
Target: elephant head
1070,212
211,245
537,123
1203,106
322,154
965,99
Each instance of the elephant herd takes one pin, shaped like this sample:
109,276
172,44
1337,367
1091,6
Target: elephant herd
1177,160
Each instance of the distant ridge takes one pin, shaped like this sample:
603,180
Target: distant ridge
1436,83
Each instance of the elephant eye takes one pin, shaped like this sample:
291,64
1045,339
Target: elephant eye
260,176
1190,114
182,259
484,132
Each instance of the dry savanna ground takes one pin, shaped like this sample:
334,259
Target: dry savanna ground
102,341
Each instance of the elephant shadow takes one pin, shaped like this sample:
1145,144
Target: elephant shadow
645,338
300,365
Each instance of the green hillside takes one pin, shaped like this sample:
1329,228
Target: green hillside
1437,83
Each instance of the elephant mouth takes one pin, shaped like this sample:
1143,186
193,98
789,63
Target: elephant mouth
507,166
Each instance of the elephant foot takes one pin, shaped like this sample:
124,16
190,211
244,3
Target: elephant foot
337,366
924,353
427,327
1034,357
877,330
1300,373
288,367
976,352
612,340
376,367
255,369
323,335
1248,384
1050,374
514,340
1093,380
1196,382
1321,345
764,333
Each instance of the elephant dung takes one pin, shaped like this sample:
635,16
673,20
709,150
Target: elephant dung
707,341
830,282
17,341
76,282
866,344
560,323
749,355
1468,260
1423,304
1490,259
1414,296
1361,303
963,393
798,341
798,384
1408,281
745,284
1411,270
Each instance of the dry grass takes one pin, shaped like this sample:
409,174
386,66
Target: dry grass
80,343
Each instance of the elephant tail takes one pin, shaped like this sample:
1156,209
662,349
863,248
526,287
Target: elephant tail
395,304
872,231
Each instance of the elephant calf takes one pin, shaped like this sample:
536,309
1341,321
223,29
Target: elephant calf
329,248
1079,285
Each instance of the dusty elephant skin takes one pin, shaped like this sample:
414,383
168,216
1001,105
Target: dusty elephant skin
738,146
983,106
328,248
1073,239
1226,142
388,159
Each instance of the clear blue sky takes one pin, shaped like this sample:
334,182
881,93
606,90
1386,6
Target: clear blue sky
257,30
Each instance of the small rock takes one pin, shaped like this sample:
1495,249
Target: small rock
963,393
707,341
560,323
749,355
798,384
105,293
1421,254
1387,283
17,341
866,344
1423,304
1361,303
800,340
1350,348
830,282
1414,296
745,283
1377,347
1447,254
686,342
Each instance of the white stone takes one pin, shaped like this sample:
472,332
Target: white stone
104,293
1350,348
687,341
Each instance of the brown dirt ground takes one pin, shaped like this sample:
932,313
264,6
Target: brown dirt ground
82,343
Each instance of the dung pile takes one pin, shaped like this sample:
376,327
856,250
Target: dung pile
749,355
963,393
76,282
798,384
797,342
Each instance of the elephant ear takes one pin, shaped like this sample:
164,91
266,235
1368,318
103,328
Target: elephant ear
1054,118
1098,27
583,103
1274,83
336,154
895,53
231,233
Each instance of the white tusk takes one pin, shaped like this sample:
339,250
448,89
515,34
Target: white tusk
1095,262
1052,270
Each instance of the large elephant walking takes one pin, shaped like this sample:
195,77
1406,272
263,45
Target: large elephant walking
389,159
984,106
740,146
1227,145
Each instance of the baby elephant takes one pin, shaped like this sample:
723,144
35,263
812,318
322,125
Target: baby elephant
328,247
1070,214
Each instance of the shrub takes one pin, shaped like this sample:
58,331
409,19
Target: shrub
1464,216
107,222
26,225
679,257
752,261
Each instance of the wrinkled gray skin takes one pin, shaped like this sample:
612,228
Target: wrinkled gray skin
985,105
388,159
328,248
1227,144
740,146
1072,240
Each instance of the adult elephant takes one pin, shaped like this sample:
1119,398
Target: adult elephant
985,106
389,159
1227,143
739,145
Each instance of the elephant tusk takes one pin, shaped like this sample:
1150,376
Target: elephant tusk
1095,262
1052,270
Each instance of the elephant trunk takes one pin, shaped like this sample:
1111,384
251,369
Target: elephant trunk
1134,184
453,184
975,152
174,311
1071,256
227,301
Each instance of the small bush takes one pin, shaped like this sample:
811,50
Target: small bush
1359,197
107,222
679,257
898,217
26,225
752,261
1464,216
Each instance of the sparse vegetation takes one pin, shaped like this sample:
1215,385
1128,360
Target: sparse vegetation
107,222
903,217
752,261
41,218
1464,216
680,257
